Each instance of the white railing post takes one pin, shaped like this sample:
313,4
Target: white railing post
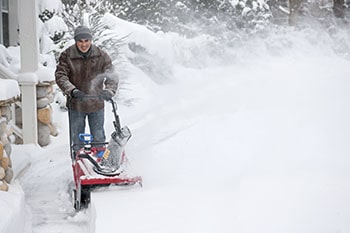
29,107
28,79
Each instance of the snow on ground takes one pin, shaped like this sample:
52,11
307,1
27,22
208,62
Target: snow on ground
243,150
258,145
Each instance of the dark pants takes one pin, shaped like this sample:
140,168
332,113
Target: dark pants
96,126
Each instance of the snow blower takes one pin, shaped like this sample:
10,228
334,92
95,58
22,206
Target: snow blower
98,164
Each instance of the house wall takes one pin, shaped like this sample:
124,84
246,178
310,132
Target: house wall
32,115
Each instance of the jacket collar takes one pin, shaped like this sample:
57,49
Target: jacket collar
74,53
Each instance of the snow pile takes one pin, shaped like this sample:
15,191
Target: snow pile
12,205
140,35
5,58
8,89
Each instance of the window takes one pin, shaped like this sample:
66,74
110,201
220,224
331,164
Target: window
4,30
5,5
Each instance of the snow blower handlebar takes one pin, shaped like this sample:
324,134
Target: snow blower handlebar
116,121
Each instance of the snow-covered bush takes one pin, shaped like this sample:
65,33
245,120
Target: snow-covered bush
52,28
90,13
184,16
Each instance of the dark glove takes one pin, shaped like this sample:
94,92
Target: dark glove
106,94
78,94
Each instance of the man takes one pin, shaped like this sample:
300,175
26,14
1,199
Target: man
85,75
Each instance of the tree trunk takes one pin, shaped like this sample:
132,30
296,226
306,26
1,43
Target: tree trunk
294,10
338,8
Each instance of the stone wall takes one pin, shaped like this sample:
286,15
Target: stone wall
6,172
45,97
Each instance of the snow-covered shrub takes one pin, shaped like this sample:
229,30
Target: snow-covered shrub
184,16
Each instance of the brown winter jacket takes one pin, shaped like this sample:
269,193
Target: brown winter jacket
90,75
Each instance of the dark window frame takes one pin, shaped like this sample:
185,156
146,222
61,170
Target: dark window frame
5,40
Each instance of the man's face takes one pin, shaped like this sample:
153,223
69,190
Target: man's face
84,45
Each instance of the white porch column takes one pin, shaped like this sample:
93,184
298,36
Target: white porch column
29,44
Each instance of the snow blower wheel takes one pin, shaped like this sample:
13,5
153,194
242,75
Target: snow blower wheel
81,201
85,198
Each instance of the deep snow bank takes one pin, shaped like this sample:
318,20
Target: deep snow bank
12,209
259,144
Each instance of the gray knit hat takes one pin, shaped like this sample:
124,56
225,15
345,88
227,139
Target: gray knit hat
82,32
